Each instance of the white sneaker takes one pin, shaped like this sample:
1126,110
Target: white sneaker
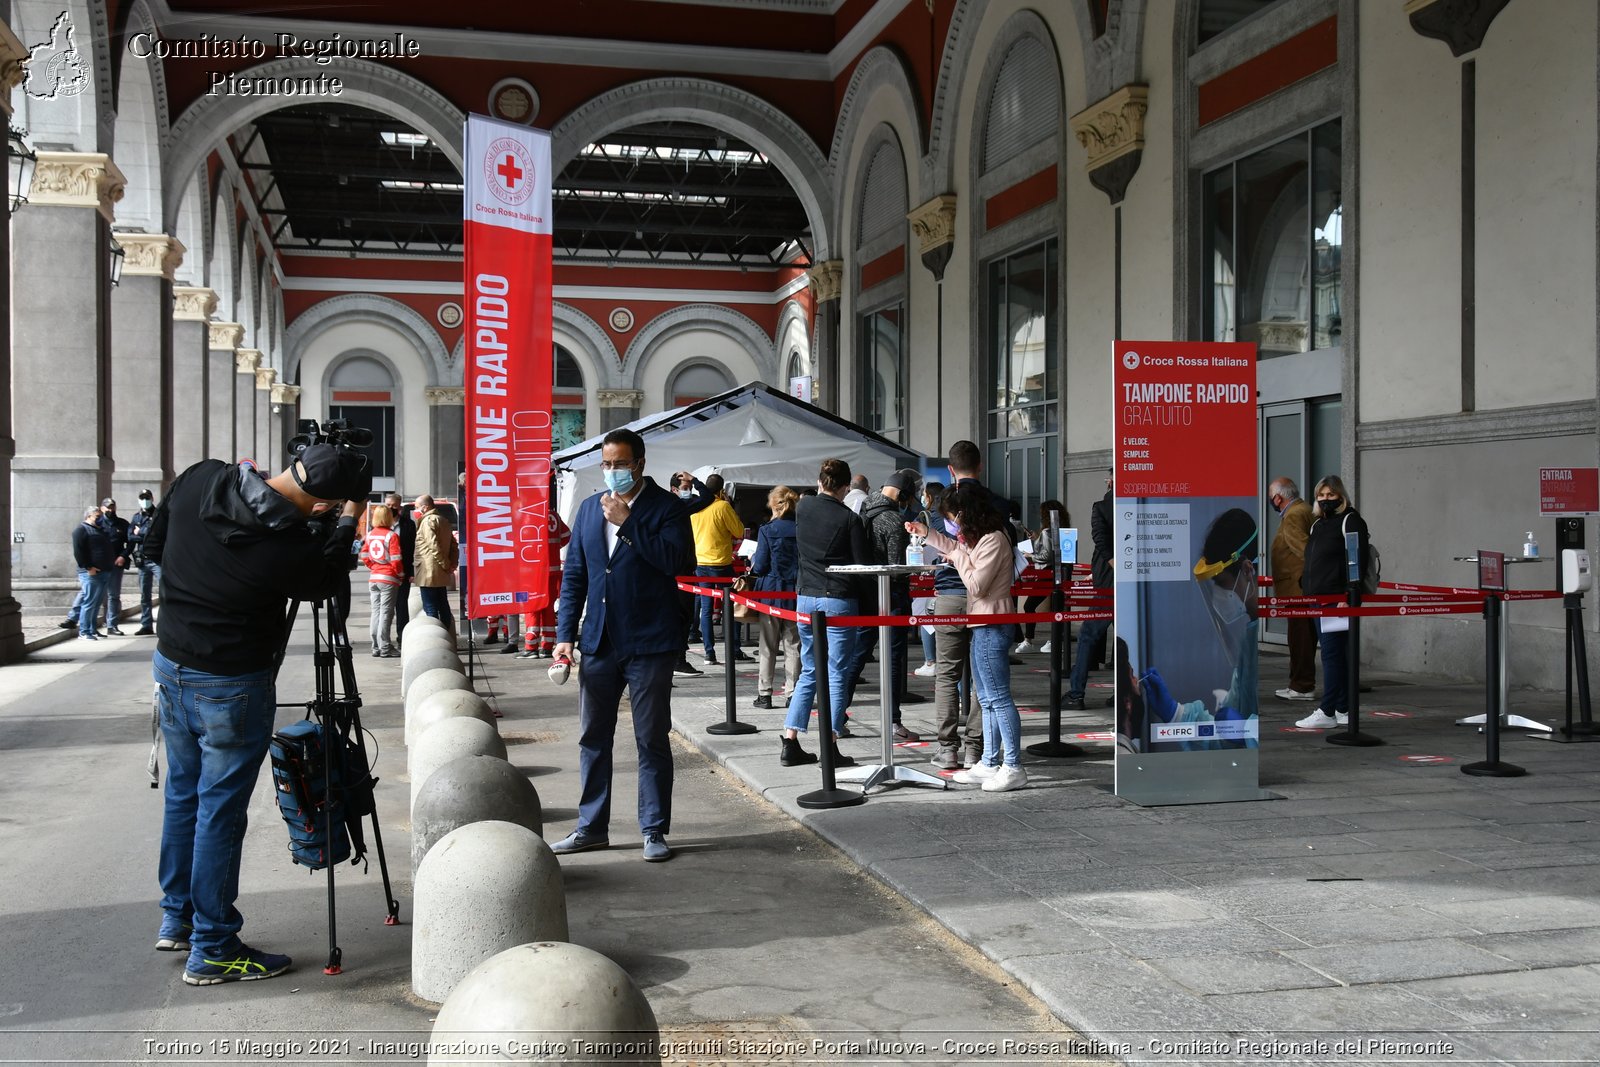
1343,718
1045,648
924,671
1020,647
1006,779
1295,694
975,774
1318,720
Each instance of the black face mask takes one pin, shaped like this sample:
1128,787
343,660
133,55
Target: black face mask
1329,507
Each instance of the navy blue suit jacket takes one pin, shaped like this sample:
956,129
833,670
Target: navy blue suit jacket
632,596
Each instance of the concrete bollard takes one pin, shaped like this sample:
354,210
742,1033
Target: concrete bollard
467,790
423,660
424,639
556,1002
484,888
449,707
414,607
429,683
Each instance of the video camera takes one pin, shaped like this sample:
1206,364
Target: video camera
336,432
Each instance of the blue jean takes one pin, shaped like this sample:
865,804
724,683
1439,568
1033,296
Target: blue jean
113,597
216,728
648,679
706,607
435,602
867,641
841,655
1088,637
991,679
149,587
1335,691
91,597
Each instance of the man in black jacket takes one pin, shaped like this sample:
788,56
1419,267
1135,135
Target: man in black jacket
1091,632
95,556
406,527
116,531
234,548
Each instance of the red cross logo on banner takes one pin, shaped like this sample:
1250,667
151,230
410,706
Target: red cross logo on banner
509,170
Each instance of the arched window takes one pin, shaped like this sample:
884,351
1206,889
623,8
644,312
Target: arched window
695,382
1021,112
568,401
1219,16
882,362
361,391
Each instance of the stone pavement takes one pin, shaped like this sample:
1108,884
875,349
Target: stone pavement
756,932
1385,898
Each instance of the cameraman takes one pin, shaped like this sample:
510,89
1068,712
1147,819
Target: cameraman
234,548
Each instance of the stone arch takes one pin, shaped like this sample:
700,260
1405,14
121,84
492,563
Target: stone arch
794,324
590,345
881,68
249,306
192,226
139,137
367,307
722,107
224,261
371,85
712,318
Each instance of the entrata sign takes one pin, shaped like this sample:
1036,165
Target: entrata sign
508,375
1569,490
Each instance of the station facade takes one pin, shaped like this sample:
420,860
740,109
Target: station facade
1395,200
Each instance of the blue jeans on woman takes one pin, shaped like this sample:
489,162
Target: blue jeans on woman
841,656
991,678
216,729
1335,693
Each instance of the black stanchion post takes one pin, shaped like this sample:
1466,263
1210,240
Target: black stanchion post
730,723
830,795
1577,665
1055,747
1352,735
1492,767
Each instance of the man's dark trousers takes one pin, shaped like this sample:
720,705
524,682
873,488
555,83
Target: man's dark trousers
648,680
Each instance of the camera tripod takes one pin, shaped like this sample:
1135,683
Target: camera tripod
340,719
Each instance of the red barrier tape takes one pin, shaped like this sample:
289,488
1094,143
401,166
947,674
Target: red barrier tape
1380,611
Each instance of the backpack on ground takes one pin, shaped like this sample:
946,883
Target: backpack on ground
1372,571
322,803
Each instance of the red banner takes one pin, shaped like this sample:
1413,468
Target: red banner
1569,490
507,216
1177,404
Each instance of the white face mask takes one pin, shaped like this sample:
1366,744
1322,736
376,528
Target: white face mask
147,505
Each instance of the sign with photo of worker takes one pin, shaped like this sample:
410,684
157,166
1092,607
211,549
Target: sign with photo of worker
1186,544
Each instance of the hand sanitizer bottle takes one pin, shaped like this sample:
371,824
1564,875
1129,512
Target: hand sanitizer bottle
914,555
1530,547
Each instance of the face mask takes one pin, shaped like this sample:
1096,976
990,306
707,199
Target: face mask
685,494
147,505
1329,507
619,482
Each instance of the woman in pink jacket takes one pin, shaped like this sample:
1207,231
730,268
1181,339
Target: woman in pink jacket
380,551
986,561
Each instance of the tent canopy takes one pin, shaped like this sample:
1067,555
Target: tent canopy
750,435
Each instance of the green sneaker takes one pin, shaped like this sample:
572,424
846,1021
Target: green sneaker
244,964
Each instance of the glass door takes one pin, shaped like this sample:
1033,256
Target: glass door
1283,453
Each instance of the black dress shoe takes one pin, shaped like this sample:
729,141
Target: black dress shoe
144,631
686,668
509,649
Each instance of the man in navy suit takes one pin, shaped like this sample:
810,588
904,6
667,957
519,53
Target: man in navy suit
628,546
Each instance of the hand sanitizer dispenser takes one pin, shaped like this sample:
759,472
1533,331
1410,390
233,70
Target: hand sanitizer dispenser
1530,547
1575,574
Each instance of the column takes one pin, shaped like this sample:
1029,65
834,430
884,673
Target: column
618,407
141,365
191,348
270,458
245,363
61,368
826,278
447,432
285,419
224,342
12,53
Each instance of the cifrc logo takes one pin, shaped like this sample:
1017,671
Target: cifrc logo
1130,360
508,171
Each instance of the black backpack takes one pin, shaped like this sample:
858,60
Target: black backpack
324,823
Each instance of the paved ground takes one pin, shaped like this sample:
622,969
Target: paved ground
758,931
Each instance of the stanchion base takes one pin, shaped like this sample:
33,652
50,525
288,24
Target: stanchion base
1354,740
1056,750
1493,770
831,798
724,728
1517,722
1580,732
889,774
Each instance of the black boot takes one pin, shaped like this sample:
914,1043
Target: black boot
763,701
793,755
840,759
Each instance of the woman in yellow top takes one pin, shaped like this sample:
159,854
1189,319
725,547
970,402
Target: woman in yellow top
716,527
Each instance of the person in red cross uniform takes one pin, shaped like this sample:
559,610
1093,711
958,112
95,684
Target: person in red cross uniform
539,627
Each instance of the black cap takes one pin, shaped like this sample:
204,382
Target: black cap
145,494
905,480
330,473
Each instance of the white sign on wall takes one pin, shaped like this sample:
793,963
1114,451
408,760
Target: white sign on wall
800,388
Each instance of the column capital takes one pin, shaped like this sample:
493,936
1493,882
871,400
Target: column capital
826,279
445,395
265,377
150,255
285,394
1111,131
192,303
226,335
934,223
246,360
619,398
13,53
77,179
